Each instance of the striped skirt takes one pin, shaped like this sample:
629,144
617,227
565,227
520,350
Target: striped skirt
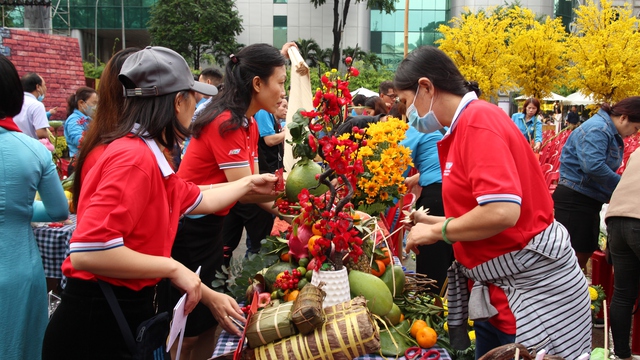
546,290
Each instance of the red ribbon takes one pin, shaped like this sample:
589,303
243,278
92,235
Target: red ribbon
8,124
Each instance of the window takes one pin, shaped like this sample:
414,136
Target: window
279,30
279,1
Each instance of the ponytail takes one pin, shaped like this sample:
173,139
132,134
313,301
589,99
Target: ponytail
83,93
254,60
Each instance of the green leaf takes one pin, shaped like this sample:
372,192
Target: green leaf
299,119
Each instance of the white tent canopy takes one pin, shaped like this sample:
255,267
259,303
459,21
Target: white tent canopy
552,97
364,91
578,98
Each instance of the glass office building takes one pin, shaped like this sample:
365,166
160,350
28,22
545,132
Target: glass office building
387,30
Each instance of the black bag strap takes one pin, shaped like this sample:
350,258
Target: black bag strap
117,312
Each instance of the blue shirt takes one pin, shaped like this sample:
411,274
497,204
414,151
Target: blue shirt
424,153
265,123
74,128
590,157
530,129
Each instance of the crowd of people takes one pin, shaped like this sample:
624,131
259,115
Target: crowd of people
169,175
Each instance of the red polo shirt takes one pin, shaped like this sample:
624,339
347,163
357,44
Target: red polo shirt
485,159
130,198
210,154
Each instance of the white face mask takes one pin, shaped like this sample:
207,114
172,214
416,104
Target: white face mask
425,124
89,110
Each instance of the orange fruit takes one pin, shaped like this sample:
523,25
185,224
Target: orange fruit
426,337
386,258
356,218
417,326
285,257
401,317
381,268
315,228
292,296
279,276
312,241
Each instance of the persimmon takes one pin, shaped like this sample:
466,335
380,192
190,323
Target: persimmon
381,268
426,337
285,256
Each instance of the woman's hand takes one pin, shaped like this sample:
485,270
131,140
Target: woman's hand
423,234
412,181
189,282
223,307
285,48
536,147
263,184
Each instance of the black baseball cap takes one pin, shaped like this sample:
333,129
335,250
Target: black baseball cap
157,70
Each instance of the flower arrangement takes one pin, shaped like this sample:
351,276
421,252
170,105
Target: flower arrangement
385,161
597,295
329,214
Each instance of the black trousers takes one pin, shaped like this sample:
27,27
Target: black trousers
435,259
257,221
84,327
198,243
624,247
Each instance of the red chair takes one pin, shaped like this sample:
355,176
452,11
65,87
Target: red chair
552,178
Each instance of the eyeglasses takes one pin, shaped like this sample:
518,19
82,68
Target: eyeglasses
391,96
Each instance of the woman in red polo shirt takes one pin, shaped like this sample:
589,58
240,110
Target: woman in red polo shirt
224,147
128,215
527,286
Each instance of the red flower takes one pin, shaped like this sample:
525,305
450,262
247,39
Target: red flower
317,98
353,71
315,127
310,114
324,79
312,143
348,60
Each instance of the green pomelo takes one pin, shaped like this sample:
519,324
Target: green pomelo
393,317
303,176
374,290
274,270
388,279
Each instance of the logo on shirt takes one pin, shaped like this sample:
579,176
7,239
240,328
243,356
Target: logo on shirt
447,168
234,152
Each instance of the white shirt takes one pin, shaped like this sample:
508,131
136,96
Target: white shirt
32,117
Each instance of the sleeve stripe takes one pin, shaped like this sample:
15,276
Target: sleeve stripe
485,199
95,246
233,165
195,204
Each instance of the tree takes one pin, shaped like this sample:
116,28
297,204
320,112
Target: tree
538,50
309,50
605,52
369,59
477,43
196,27
339,20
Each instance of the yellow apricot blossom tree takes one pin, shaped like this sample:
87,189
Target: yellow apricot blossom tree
538,52
477,44
604,52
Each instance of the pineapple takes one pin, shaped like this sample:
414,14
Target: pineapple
364,260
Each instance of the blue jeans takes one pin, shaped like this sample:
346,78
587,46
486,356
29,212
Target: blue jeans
488,337
624,247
